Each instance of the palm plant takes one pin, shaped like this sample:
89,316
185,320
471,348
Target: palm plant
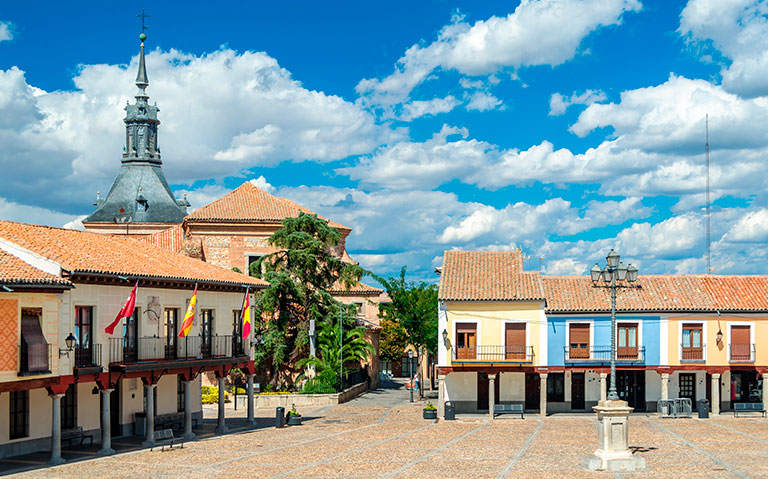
331,357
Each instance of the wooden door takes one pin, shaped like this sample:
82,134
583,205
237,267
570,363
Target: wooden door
466,341
579,341
577,391
626,341
532,391
741,349
688,387
482,392
514,341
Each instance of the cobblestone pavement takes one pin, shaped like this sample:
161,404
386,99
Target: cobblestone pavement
363,441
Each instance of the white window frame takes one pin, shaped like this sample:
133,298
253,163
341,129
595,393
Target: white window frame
590,322
751,325
704,336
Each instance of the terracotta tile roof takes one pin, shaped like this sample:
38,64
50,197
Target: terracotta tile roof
171,239
660,293
488,276
357,288
14,270
92,253
249,203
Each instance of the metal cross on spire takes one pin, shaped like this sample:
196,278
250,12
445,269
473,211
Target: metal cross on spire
143,16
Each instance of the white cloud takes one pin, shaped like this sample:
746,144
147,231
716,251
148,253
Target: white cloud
558,103
418,108
221,113
483,101
751,228
13,211
6,32
536,33
262,183
739,30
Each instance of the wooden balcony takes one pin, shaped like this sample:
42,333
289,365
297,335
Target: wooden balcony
742,353
693,354
603,354
493,354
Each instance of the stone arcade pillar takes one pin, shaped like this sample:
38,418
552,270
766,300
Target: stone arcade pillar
603,386
221,428
251,421
188,434
149,394
441,395
765,391
491,394
106,423
56,430
715,394
664,385
543,395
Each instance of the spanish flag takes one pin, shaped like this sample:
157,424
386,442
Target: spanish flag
245,315
189,317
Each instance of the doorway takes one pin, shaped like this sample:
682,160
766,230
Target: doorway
577,391
532,391
687,383
114,411
630,386
483,386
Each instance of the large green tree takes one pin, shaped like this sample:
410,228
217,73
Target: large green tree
392,341
413,307
305,267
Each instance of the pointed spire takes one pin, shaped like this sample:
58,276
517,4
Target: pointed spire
141,78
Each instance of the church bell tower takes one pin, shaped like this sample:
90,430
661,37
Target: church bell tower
140,201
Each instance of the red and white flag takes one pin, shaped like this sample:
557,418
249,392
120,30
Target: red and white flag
126,312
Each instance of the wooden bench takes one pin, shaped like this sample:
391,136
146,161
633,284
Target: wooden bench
499,409
748,407
164,437
70,435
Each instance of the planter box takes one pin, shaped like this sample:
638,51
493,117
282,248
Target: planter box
307,400
294,420
430,414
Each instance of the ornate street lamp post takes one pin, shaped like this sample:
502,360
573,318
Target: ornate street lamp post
614,276
613,452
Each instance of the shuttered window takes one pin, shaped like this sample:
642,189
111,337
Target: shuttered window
514,337
579,340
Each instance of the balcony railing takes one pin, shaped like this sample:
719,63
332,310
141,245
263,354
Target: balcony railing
603,353
517,354
742,353
35,359
689,353
154,348
87,356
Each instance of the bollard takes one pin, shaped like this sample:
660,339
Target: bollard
280,417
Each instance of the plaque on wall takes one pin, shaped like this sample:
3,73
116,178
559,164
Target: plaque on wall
153,309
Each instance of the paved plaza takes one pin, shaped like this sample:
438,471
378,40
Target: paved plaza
364,440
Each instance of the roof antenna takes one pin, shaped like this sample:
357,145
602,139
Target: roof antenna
709,234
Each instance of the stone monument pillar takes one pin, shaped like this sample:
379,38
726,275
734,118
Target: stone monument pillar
613,452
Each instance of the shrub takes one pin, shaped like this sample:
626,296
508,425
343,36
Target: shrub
293,411
317,386
212,395
240,391
430,407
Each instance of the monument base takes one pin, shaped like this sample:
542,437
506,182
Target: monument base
613,453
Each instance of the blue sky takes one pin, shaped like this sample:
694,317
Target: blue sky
560,127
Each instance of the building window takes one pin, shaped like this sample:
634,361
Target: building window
514,342
83,325
206,331
466,340
360,309
556,387
627,341
68,408
692,346
171,328
18,412
179,394
251,260
578,334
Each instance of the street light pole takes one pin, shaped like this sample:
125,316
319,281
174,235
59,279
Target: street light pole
612,394
410,371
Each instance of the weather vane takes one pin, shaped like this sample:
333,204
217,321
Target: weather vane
143,16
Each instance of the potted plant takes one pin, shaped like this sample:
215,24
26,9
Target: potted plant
430,411
294,418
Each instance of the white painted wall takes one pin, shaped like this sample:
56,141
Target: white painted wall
652,386
592,380
88,407
461,386
511,386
